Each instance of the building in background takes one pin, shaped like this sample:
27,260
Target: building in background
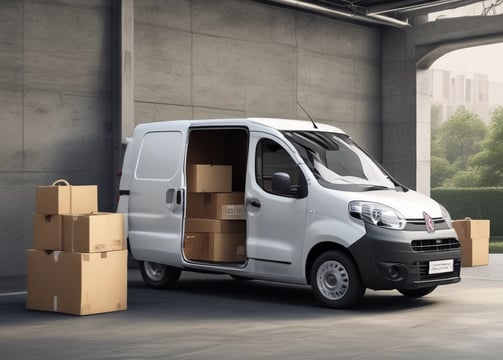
476,93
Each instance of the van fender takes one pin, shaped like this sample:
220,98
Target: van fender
325,233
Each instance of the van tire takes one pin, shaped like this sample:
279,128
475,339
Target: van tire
336,281
417,293
159,276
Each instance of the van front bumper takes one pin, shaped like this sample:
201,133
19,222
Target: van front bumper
386,258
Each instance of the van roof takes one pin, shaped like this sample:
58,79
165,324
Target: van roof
289,124
254,124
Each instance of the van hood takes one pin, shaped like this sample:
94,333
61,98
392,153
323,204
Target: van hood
410,204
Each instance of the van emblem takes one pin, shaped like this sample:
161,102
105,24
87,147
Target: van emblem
430,225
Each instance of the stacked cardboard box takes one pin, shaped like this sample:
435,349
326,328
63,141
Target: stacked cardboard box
78,263
215,229
474,238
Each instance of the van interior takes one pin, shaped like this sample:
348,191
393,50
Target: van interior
215,223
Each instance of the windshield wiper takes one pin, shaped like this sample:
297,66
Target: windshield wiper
376,187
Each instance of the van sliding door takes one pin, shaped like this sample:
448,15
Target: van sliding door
156,220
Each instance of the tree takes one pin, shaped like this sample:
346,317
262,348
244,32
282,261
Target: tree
459,138
441,170
489,162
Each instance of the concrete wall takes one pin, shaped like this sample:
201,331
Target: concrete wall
192,59
231,58
55,109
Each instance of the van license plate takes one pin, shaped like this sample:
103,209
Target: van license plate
441,266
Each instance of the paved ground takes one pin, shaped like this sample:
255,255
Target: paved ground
216,317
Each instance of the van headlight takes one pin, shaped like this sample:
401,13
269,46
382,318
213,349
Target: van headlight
446,216
377,214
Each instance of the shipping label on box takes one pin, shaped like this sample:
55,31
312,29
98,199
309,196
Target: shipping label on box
76,283
232,212
47,232
226,206
66,199
93,232
221,206
209,178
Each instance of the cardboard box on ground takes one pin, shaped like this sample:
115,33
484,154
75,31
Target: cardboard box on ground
77,283
78,264
474,238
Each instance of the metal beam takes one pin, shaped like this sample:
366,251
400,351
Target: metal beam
414,5
380,19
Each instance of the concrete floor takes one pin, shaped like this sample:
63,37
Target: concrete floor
216,317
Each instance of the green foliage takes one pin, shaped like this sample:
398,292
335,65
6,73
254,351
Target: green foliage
459,157
459,138
489,162
476,203
463,179
441,171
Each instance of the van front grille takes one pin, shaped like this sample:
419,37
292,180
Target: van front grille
432,245
420,224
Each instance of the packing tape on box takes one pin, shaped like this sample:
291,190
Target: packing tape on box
55,303
55,255
75,218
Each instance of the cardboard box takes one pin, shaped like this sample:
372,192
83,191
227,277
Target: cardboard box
209,178
93,232
474,238
51,200
469,228
195,246
227,247
213,225
474,252
47,232
76,283
222,206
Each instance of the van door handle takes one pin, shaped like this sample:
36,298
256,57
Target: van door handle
179,197
253,202
169,196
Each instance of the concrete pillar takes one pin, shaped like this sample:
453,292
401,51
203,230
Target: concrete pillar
399,107
127,68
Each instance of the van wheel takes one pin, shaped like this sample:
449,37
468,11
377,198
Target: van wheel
336,281
417,293
159,276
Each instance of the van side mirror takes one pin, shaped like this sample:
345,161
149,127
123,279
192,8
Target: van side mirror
281,183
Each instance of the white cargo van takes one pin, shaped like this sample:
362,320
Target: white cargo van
280,200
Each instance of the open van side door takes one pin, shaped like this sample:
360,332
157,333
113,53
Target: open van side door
156,206
276,221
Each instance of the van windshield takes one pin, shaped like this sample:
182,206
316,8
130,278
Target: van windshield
338,163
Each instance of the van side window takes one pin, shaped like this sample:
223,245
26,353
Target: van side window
152,160
271,158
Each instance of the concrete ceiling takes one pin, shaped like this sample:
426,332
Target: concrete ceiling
382,12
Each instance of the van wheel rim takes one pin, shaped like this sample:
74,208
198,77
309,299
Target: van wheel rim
332,280
154,271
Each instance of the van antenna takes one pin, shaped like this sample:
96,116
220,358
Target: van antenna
310,118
